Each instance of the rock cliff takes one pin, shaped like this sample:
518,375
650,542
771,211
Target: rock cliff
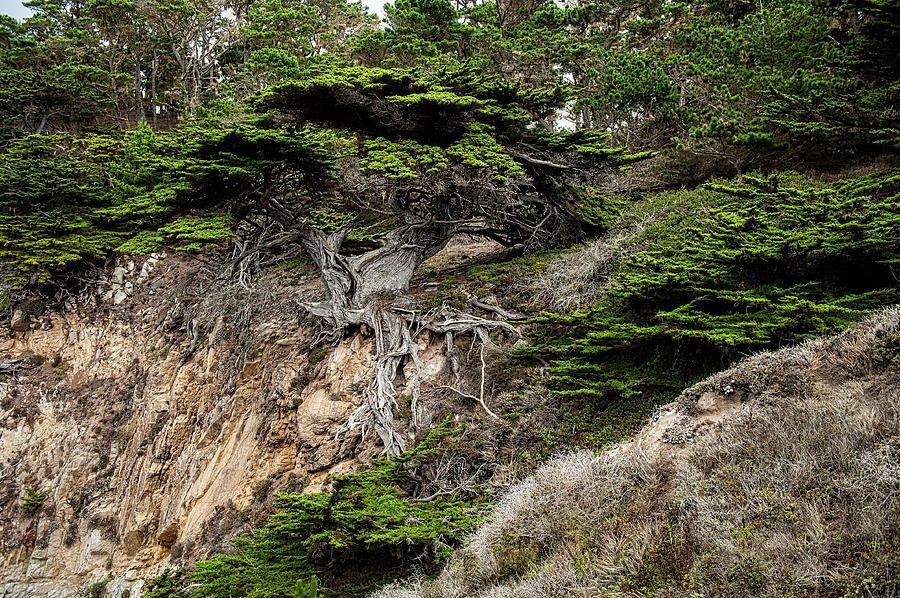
146,421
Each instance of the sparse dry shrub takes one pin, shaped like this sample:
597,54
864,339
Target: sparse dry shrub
575,279
798,493
405,589
241,317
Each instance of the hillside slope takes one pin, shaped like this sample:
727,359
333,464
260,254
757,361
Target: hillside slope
152,419
778,477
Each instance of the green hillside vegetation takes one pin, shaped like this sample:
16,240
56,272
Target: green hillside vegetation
366,524
708,275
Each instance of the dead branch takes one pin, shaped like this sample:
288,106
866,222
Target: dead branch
478,399
11,366
496,309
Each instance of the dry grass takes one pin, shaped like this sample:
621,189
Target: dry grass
576,279
796,493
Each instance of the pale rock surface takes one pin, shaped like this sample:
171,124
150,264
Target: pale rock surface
150,434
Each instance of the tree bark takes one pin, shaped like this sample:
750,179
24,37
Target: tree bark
138,91
353,285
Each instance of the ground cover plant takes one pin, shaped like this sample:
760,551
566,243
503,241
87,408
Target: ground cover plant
699,278
366,530
795,493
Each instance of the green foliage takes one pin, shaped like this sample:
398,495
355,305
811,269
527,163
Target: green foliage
33,500
515,556
309,589
456,115
65,198
450,144
46,195
366,523
730,268
95,590
600,210
403,159
168,584
736,81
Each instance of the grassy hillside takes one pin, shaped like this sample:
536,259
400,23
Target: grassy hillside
682,286
675,186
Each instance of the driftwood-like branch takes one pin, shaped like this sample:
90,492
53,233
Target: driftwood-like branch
506,315
537,161
11,366
446,468
478,399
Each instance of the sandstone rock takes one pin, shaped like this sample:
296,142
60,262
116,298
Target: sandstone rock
146,438
169,536
19,321
118,275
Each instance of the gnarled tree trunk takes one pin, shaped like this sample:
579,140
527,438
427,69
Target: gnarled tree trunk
353,285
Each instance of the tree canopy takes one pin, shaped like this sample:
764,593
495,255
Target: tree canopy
128,126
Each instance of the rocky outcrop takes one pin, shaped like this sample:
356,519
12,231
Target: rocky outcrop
155,413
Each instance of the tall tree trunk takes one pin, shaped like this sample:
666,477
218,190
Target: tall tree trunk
153,74
138,91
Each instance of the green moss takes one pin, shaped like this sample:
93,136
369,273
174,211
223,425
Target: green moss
500,274
298,263
666,564
515,555
888,348
317,355
452,297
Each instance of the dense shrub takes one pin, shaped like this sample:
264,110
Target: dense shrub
689,281
365,530
794,493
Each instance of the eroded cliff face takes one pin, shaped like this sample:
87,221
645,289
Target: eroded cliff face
157,412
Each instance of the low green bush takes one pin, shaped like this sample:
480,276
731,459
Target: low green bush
726,269
365,530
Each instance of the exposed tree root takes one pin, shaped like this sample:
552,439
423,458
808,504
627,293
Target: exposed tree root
12,366
354,287
395,343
